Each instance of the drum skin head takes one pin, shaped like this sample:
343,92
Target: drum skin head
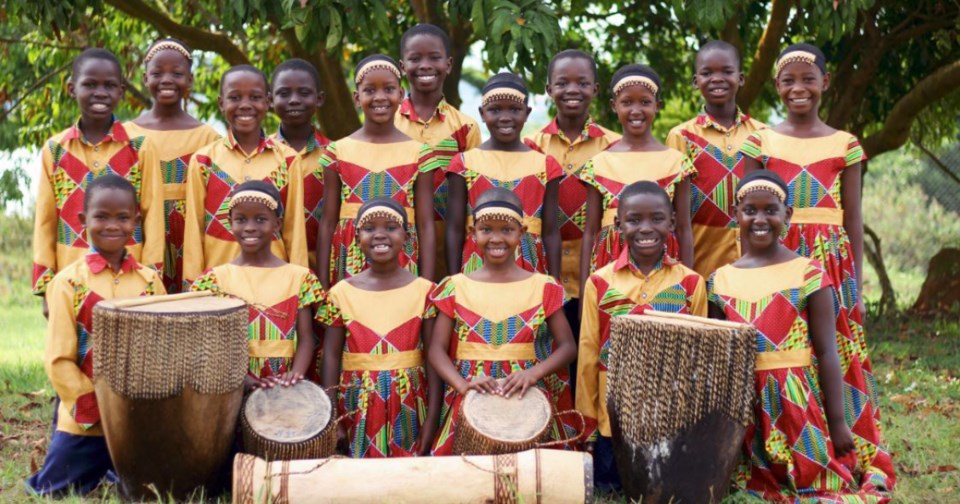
185,306
508,419
288,414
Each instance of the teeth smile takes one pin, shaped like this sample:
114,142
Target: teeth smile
381,248
426,77
99,107
761,232
648,241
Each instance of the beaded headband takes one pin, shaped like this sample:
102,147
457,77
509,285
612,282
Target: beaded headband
503,93
377,64
761,185
163,46
636,80
381,211
795,57
253,197
497,210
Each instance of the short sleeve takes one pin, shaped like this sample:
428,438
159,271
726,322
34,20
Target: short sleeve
854,153
552,297
712,296
457,165
329,313
529,142
675,139
554,170
443,298
587,174
328,158
752,147
207,282
429,308
687,169
311,292
814,278
427,160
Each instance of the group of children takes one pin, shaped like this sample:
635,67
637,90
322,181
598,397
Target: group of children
535,244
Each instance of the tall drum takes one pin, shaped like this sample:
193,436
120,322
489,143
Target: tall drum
168,373
680,395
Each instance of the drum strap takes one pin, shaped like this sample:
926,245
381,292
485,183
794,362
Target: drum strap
469,350
382,362
784,359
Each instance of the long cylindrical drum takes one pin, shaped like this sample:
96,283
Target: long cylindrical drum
680,395
491,424
289,423
533,477
169,382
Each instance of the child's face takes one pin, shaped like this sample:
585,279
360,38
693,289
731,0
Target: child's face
168,77
645,221
98,87
497,239
504,119
761,217
425,63
379,95
244,101
718,76
295,97
636,108
381,239
572,86
110,218
253,225
800,85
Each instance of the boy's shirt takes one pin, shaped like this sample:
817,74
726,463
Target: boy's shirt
68,358
572,155
70,162
620,288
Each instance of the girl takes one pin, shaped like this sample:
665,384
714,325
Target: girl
281,295
380,351
637,156
505,161
822,167
377,160
500,314
244,155
177,135
799,446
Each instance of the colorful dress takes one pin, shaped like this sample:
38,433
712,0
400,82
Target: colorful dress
70,162
214,172
572,200
493,321
174,148
813,169
524,173
787,452
610,172
373,170
620,288
715,153
274,295
384,392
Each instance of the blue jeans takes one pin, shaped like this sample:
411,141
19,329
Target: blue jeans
605,476
73,464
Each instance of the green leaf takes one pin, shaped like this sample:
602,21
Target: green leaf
335,31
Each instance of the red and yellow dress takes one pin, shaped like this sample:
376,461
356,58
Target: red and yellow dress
373,170
787,452
524,173
174,148
715,153
610,172
274,295
494,321
383,382
813,170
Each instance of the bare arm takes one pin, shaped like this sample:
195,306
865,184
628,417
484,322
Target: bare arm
823,332
591,227
434,394
426,232
333,341
306,348
456,221
681,206
551,230
851,186
328,224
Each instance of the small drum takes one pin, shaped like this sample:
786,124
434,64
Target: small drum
168,374
490,424
289,423
680,394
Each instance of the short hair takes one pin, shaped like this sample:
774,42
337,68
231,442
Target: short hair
636,69
108,181
571,54
499,194
263,187
643,187
244,68
721,45
296,64
92,54
383,201
428,30
766,175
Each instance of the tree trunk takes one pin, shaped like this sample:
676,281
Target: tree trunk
874,254
460,31
941,290
338,116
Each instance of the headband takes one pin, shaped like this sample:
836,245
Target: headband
636,80
761,185
497,210
503,93
375,64
251,196
799,56
383,211
164,45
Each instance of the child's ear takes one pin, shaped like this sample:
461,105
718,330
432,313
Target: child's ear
596,88
529,109
356,99
741,79
220,102
279,225
137,218
449,66
83,219
71,90
786,221
523,229
616,222
321,98
826,81
673,221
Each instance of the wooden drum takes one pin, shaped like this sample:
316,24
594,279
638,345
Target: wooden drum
168,374
289,423
680,394
491,424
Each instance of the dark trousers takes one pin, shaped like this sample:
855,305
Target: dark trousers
571,310
73,464
605,476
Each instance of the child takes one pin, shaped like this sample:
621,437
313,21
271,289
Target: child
799,446
297,95
822,168
244,155
281,296
499,315
504,161
642,278
637,156
97,145
426,117
177,135
77,458
378,323
712,141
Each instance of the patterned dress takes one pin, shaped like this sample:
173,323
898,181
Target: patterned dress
174,148
610,172
787,453
524,173
275,295
813,169
493,320
367,171
384,384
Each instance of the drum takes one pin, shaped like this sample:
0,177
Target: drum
680,394
168,374
289,423
533,476
490,424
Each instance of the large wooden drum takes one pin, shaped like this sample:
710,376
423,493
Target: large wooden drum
532,477
168,374
490,424
680,394
289,423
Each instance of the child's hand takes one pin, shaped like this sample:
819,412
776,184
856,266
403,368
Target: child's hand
842,439
250,383
483,385
289,378
519,381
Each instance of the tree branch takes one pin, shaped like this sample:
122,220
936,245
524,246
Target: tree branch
33,87
888,296
7,40
766,54
426,11
936,160
731,33
137,93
